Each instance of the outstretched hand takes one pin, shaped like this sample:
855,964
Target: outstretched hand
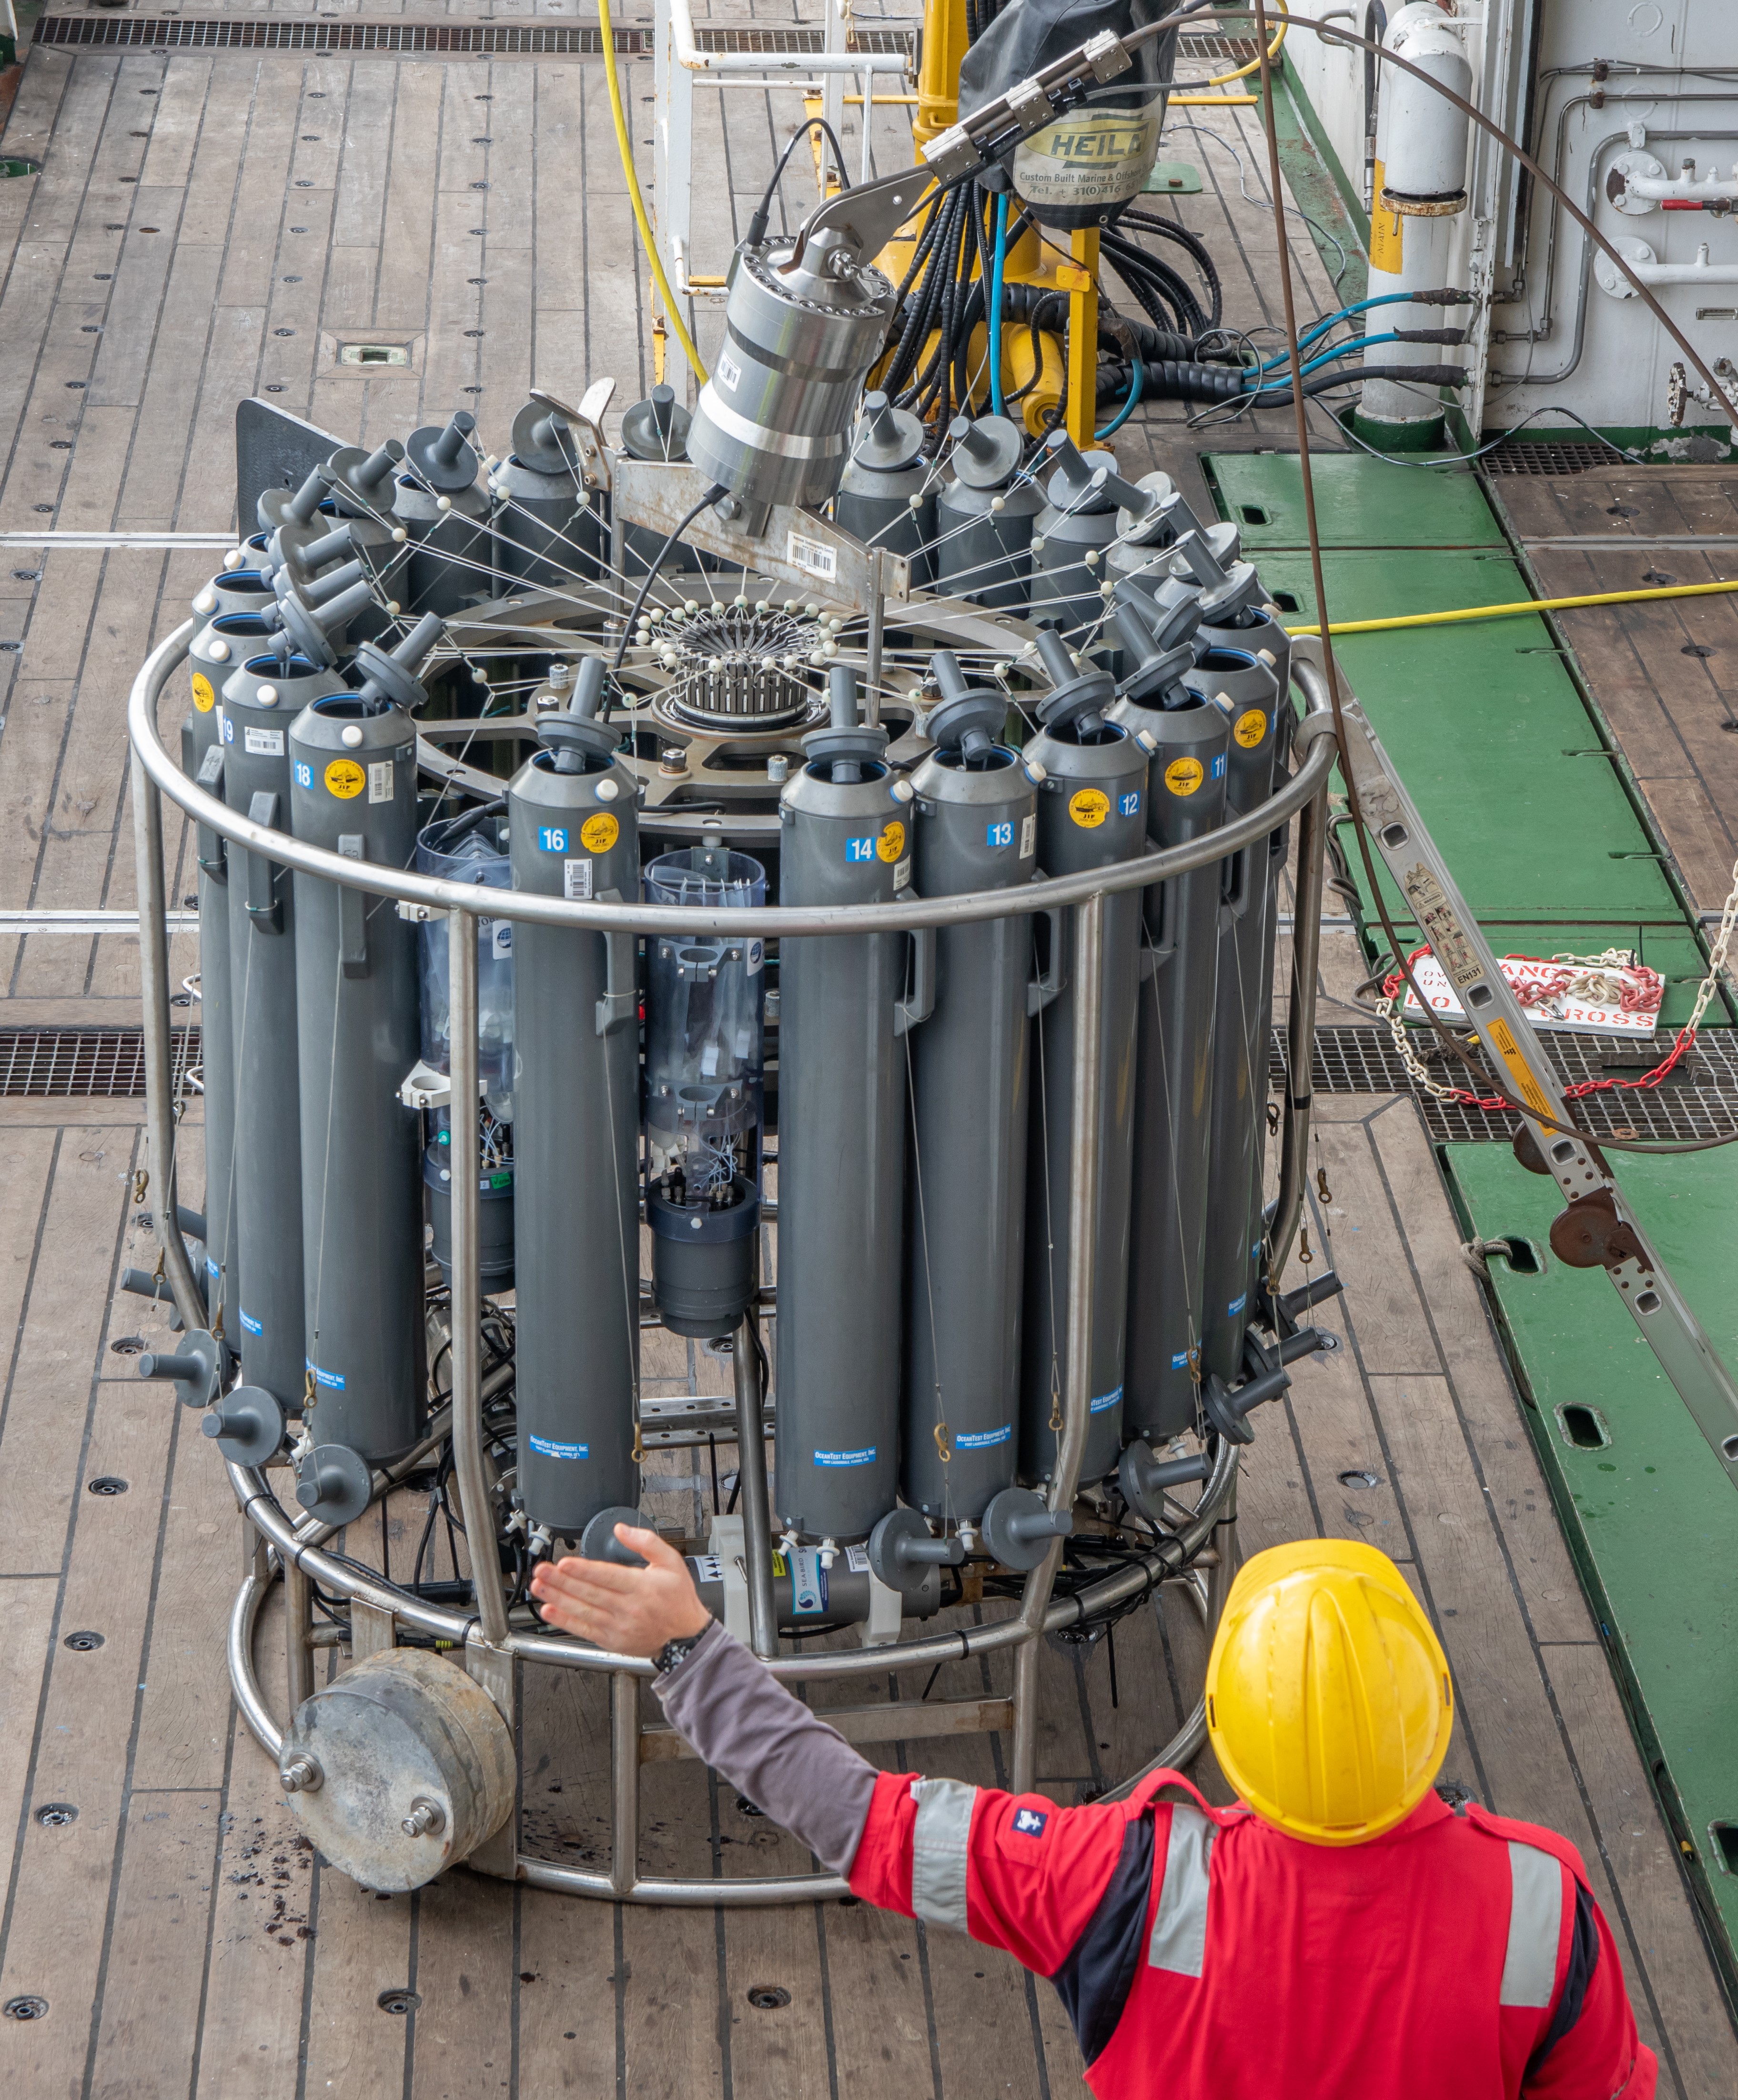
628,1611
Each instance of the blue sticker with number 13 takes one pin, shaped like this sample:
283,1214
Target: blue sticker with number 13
998,834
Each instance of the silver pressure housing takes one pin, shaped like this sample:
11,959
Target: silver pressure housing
804,320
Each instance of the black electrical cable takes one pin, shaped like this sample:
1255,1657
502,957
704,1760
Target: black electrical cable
658,559
762,217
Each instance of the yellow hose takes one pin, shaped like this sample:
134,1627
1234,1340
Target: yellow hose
624,147
1220,79
1506,611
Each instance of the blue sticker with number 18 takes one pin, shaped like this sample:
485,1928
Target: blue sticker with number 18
998,834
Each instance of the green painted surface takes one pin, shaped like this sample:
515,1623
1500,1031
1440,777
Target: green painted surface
1652,1519
1360,502
1173,178
1486,727
1478,718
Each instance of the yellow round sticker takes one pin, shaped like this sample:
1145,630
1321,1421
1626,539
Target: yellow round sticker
1250,728
204,698
599,834
344,778
1089,807
1183,776
891,844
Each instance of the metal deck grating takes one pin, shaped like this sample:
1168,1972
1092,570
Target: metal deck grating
82,1063
478,39
1698,1099
1550,459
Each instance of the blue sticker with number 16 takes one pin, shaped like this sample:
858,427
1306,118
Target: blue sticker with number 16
553,838
998,834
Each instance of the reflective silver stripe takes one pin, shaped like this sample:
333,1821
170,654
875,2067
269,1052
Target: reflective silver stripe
1180,1930
938,1849
1530,1967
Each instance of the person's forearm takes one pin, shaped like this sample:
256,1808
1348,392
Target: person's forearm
770,1747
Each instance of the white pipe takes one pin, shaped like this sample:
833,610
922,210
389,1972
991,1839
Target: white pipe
688,54
1711,189
1652,271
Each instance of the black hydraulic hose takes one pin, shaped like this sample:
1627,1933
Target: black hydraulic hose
1137,268
921,315
1168,229
1172,379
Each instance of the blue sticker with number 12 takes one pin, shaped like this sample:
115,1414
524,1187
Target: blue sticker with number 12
1129,804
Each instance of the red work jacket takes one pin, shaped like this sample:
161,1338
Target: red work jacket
1203,1955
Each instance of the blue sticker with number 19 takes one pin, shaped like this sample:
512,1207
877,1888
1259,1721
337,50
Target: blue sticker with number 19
998,834
553,838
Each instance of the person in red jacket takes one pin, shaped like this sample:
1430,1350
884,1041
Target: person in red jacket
1345,1933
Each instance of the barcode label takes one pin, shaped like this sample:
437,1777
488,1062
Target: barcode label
380,780
814,557
576,880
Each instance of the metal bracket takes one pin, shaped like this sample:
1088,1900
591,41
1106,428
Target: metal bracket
795,547
424,1088
728,1543
1658,1308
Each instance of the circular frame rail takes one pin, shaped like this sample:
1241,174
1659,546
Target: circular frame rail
489,1646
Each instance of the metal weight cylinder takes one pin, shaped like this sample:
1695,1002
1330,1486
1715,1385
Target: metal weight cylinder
977,828
353,791
841,1142
1244,690
1174,1070
262,695
772,422
546,531
1092,812
576,1116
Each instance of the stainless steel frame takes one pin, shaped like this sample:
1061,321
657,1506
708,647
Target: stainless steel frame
281,1546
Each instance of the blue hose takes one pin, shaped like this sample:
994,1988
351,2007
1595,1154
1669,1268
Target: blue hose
995,304
1137,373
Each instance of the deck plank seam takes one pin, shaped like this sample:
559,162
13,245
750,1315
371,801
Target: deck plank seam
15,1868
1667,2054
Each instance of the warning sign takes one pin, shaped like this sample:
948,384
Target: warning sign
1183,776
1089,807
344,778
597,834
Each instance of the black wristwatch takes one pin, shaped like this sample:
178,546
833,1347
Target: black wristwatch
672,1651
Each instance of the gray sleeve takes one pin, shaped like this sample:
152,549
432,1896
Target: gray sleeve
742,1722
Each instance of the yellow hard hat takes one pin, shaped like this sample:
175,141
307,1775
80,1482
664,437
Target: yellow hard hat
1329,1703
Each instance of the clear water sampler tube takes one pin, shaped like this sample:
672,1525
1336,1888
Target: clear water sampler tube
705,1000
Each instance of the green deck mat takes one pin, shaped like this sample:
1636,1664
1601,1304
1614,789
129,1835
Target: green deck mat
1651,1519
1358,502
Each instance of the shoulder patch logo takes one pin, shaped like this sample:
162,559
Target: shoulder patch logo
1030,1822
